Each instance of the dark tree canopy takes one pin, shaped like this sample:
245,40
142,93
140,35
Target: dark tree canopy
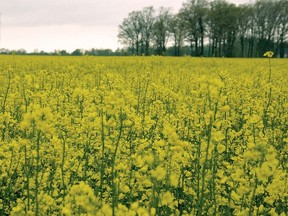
208,28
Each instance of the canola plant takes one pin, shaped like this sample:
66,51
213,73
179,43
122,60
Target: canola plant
143,136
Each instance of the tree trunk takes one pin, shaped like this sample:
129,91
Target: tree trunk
201,37
147,48
251,47
242,46
282,48
196,47
137,47
191,47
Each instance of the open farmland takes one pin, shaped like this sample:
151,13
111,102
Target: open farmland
143,136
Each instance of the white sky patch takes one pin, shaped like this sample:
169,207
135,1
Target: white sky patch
66,37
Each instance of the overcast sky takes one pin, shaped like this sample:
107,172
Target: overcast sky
69,24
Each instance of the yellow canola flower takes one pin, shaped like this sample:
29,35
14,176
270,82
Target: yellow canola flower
149,159
273,212
105,210
167,198
159,173
254,119
217,136
264,172
174,179
23,142
268,54
235,196
81,196
221,148
225,108
139,161
244,212
142,212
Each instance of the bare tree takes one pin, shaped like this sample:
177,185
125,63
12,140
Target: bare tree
266,16
282,28
223,27
178,31
130,32
245,25
194,14
147,19
257,27
161,29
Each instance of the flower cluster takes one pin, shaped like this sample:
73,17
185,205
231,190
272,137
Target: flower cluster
268,54
143,136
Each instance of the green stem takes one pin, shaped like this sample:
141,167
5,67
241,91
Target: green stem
253,196
102,169
62,165
27,177
204,169
37,173
270,70
113,165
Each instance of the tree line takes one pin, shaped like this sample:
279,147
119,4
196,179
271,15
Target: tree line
208,28
76,52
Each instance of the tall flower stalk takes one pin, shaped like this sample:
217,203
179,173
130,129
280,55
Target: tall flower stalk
269,55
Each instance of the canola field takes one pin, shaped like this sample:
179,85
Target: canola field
139,136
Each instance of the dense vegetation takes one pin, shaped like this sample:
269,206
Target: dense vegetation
209,28
143,136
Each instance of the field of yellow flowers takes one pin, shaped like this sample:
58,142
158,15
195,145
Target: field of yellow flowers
143,136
